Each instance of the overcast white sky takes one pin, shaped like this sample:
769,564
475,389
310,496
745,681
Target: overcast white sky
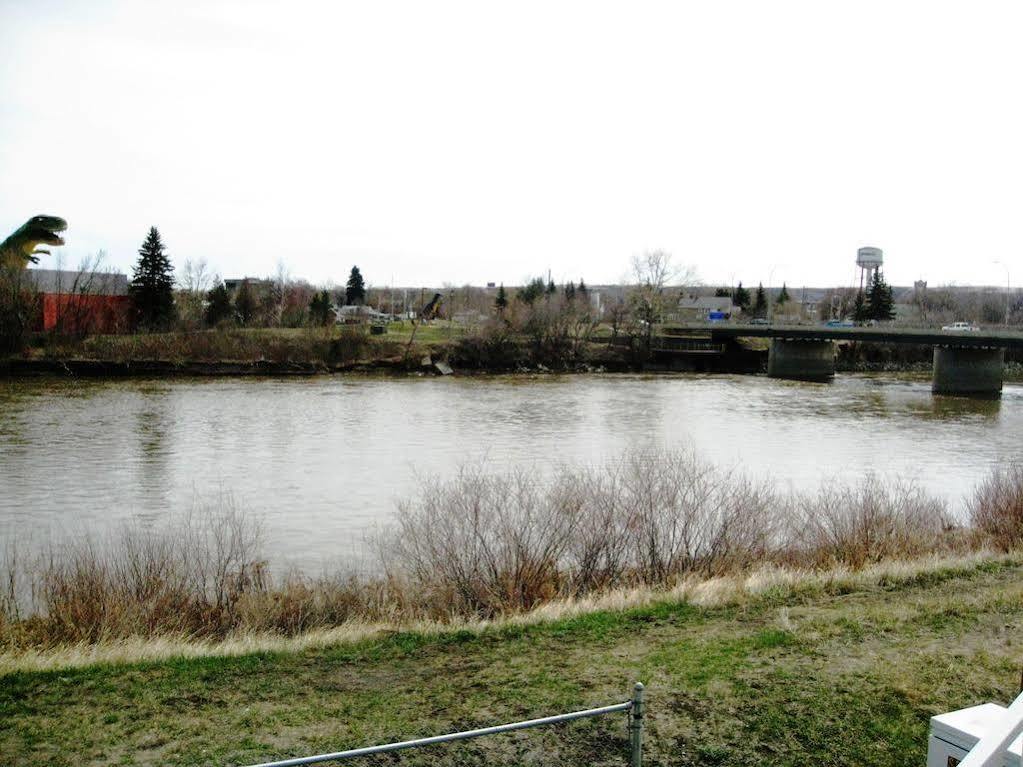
439,141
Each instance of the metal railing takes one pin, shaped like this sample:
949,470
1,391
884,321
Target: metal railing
634,707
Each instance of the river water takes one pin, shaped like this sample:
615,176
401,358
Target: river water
323,461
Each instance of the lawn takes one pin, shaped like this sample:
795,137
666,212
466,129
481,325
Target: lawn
848,677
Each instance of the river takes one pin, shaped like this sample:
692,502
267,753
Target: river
323,461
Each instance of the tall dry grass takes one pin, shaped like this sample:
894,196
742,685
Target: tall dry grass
188,578
855,525
483,545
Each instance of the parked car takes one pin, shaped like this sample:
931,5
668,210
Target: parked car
839,324
759,321
961,327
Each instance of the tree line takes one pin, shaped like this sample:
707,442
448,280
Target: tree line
203,298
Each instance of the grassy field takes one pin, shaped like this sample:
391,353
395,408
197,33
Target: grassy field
840,675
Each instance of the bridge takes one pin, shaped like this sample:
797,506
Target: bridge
965,363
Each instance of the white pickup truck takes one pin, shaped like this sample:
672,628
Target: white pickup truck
967,327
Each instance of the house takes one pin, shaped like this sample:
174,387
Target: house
354,314
81,302
695,308
232,284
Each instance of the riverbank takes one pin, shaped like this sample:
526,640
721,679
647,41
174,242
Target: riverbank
785,670
303,351
348,349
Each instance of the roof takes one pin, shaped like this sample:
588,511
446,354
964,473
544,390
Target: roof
359,310
707,303
68,281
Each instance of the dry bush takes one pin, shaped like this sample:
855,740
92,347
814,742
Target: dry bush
686,515
201,576
484,545
352,342
492,346
183,581
481,544
299,604
858,524
996,507
187,579
598,553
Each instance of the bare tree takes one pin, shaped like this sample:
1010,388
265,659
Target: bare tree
77,310
279,293
653,272
195,281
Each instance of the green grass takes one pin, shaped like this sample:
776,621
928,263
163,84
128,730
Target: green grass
838,679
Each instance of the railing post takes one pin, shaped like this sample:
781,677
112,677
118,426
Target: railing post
636,725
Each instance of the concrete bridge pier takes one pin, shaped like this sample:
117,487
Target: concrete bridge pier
968,372
811,360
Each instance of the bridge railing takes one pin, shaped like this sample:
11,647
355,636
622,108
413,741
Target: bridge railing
681,344
634,708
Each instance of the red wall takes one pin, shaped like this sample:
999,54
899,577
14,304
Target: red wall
84,314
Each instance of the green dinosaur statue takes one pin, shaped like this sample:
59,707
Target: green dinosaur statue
20,248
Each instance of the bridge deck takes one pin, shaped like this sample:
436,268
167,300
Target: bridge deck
987,339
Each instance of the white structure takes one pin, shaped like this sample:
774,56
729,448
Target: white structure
869,261
980,736
358,313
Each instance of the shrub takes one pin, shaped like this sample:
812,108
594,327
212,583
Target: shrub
857,524
996,507
481,544
19,307
487,544
351,344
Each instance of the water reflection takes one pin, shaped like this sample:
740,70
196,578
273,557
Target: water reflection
323,460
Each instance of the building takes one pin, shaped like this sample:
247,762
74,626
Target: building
700,308
356,313
232,284
81,302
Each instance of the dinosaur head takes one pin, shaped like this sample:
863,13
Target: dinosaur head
42,230
38,230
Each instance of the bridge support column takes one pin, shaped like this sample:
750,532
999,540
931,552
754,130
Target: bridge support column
804,360
966,372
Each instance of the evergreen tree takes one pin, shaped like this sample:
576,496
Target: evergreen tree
783,297
861,312
219,307
551,288
722,293
531,291
152,284
741,297
245,304
355,289
760,304
583,290
319,308
880,303
569,290
501,302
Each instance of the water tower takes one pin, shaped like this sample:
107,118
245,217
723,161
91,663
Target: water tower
869,261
